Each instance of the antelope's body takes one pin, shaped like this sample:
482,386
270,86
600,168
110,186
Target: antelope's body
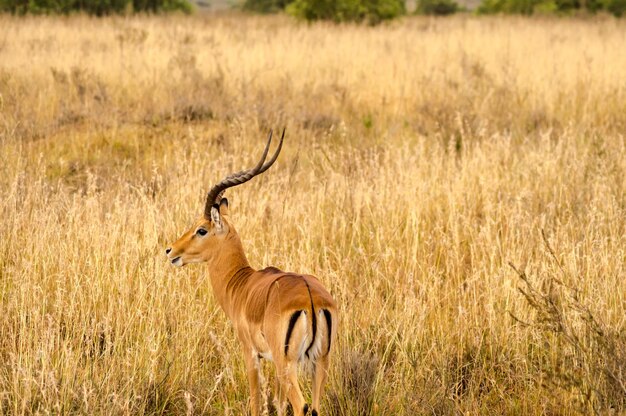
287,318
283,316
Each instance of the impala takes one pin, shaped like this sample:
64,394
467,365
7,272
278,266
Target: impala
287,318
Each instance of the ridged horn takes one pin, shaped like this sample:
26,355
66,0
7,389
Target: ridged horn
215,194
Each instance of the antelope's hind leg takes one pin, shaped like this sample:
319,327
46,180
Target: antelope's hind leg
287,373
320,371
322,361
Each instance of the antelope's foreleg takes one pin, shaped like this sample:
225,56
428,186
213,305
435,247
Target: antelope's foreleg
253,367
279,398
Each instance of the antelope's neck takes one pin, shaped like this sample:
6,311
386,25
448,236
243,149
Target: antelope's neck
230,263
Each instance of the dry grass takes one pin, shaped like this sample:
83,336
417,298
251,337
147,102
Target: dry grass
422,158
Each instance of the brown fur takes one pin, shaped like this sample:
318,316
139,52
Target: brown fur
260,304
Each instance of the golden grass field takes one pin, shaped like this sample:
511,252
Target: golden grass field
421,158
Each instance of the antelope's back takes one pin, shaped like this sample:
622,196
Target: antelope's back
275,291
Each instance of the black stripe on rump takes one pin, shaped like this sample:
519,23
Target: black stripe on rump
313,317
329,324
292,323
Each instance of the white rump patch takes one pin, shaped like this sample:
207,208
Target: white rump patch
305,340
322,332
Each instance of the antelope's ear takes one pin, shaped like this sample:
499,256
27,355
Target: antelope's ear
216,219
224,206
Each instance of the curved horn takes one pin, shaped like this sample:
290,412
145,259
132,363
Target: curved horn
265,166
269,163
215,194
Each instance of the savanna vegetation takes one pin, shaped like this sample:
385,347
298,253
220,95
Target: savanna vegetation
376,11
93,7
458,185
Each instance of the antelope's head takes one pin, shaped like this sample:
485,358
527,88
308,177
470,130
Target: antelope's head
208,233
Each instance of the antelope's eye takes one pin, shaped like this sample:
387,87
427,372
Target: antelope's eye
201,231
